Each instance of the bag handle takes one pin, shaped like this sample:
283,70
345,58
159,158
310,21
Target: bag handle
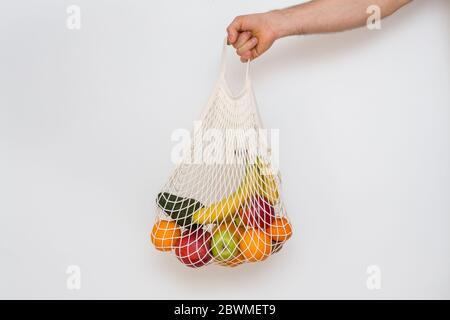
223,62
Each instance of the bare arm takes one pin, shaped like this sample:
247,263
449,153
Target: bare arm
253,34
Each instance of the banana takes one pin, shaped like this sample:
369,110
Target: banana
226,207
267,183
257,180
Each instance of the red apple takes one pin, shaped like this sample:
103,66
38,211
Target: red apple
257,212
194,248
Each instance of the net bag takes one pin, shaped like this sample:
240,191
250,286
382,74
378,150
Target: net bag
222,204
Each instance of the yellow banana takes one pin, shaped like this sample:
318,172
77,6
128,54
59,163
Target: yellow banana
267,184
226,207
257,180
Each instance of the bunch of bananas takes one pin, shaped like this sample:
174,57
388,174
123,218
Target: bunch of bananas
257,180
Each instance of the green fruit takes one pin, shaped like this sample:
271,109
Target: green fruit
224,245
237,221
178,208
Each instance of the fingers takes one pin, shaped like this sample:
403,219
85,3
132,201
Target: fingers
245,51
234,29
250,55
246,56
247,46
244,44
243,37
240,35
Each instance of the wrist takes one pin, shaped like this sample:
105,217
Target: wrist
285,22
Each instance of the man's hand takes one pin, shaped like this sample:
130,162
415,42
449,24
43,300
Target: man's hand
251,35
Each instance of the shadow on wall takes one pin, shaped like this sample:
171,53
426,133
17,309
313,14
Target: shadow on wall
315,49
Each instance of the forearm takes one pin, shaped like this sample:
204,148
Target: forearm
254,34
321,16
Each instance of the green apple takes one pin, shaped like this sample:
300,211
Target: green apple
224,245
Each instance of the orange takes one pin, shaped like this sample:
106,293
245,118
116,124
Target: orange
255,245
165,235
280,229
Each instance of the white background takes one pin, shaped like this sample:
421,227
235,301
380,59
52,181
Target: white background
85,123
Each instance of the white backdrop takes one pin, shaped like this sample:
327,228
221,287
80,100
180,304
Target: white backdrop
85,123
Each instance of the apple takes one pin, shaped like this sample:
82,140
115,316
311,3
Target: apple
224,244
257,212
194,248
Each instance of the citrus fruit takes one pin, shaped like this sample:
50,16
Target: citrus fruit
280,229
165,235
255,245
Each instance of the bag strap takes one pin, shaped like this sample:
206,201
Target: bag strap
223,63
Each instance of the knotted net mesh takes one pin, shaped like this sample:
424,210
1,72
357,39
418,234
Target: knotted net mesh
222,204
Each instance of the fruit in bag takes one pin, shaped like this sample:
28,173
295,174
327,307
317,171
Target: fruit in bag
224,244
226,207
178,208
194,248
267,185
165,235
280,229
257,212
255,245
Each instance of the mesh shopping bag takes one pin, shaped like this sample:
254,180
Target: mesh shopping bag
222,204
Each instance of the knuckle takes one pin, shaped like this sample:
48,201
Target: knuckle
239,19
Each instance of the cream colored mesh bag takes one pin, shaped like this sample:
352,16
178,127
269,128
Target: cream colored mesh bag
222,204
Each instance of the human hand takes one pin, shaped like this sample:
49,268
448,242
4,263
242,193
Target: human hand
252,35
